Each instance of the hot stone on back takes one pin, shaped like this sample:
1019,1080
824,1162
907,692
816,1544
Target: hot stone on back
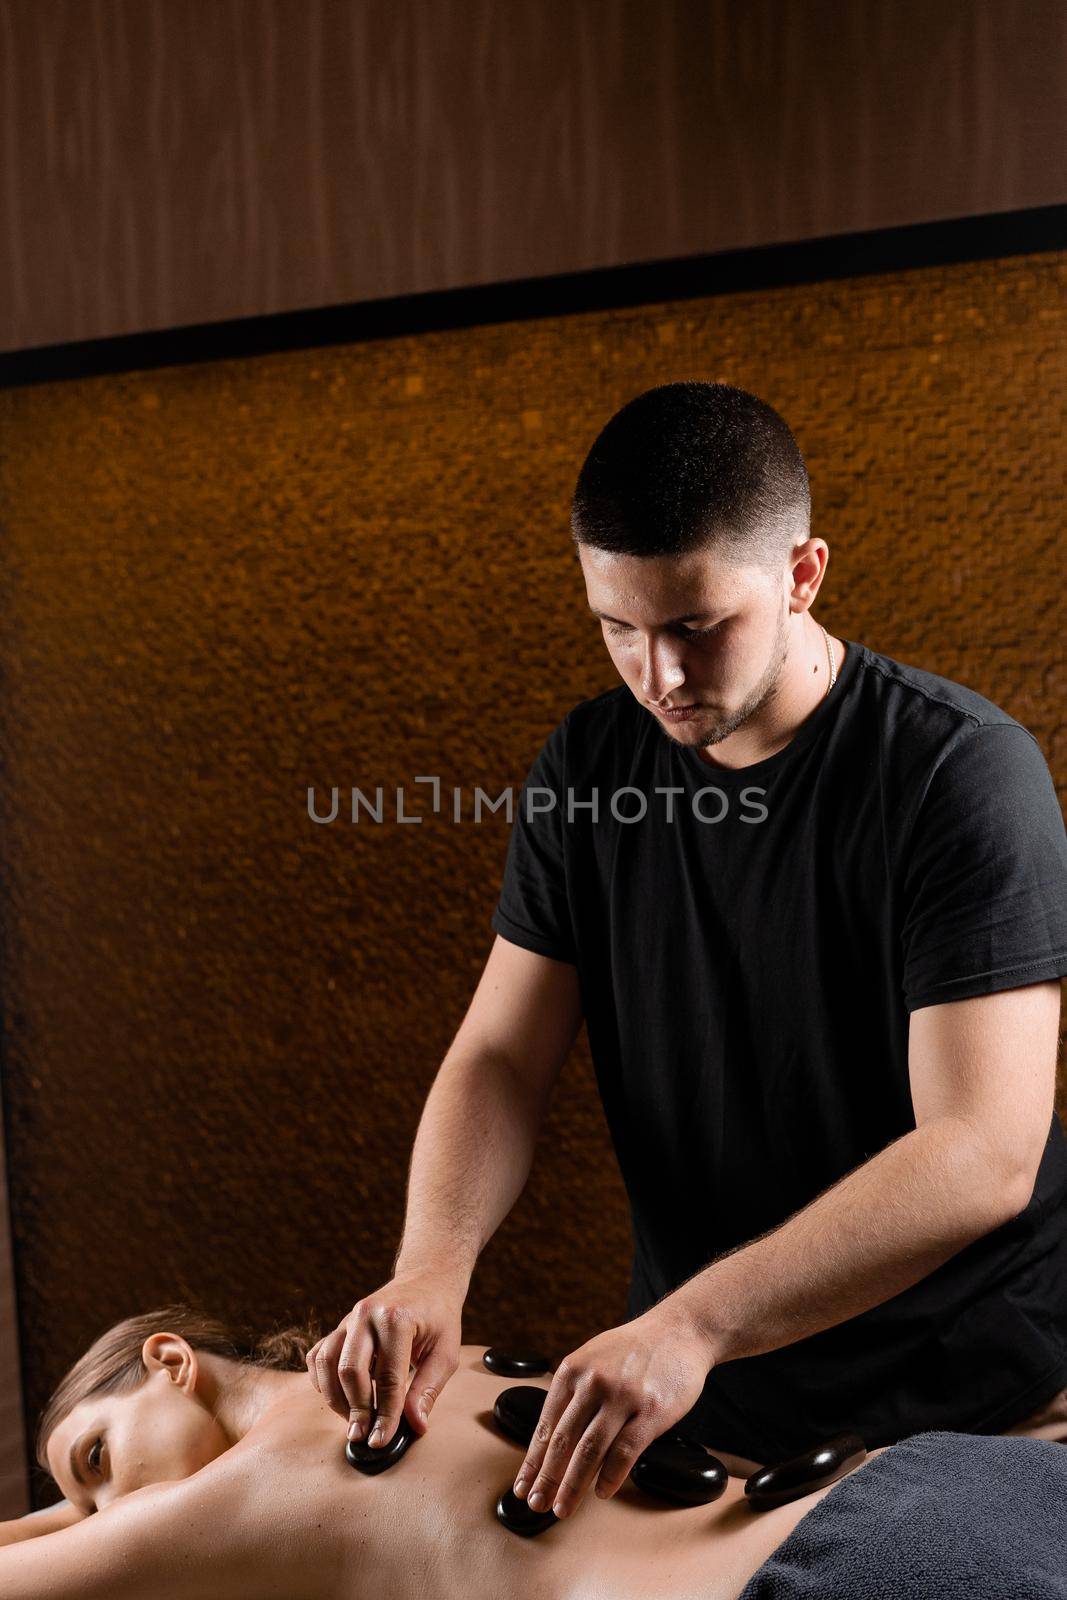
516,1363
518,1410
677,1468
803,1474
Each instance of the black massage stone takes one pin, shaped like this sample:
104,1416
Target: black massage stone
517,1411
516,1363
517,1517
379,1458
789,1480
679,1469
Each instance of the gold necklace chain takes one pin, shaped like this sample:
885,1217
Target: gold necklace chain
833,663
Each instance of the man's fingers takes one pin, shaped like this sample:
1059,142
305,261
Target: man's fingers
392,1363
560,1407
353,1371
309,1362
618,1463
364,1371
574,1425
585,1461
328,1383
429,1379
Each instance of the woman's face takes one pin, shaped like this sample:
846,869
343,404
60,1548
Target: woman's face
111,1444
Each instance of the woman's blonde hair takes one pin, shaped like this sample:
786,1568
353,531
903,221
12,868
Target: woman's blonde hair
113,1365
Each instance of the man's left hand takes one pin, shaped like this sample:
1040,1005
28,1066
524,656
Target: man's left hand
609,1399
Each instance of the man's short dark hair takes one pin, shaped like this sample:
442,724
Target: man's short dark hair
691,466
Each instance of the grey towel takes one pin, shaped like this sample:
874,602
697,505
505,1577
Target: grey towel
939,1516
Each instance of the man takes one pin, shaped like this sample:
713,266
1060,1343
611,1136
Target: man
812,904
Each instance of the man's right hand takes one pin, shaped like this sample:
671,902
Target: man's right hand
414,1318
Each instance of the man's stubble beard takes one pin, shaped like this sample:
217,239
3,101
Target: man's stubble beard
701,735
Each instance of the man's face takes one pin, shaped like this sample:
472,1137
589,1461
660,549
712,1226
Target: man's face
691,632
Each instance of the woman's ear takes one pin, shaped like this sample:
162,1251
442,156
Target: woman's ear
171,1354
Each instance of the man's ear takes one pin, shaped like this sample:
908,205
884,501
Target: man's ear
173,1355
807,568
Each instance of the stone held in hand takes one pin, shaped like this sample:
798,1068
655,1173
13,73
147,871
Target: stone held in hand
371,1459
677,1468
803,1474
515,1363
517,1516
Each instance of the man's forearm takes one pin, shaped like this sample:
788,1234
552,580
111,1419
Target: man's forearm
470,1162
876,1232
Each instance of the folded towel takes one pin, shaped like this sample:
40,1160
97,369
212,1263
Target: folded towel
938,1516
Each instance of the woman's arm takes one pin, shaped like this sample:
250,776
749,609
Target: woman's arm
34,1523
205,1535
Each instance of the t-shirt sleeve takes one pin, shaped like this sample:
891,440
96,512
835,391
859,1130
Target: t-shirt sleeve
533,909
985,879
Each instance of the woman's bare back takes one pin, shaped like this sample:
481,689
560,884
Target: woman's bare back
426,1529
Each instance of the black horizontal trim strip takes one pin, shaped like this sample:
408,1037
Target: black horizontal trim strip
846,255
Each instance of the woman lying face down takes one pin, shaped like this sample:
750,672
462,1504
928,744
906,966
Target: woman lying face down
194,1468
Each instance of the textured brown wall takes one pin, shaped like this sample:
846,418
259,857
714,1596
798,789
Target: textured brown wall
351,566
13,1497
164,162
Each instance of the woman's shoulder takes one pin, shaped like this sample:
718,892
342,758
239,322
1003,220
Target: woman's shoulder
275,1494
297,1441
209,1533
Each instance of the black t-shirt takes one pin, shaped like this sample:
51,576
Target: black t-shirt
747,971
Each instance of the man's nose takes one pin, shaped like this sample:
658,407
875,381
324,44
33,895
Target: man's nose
661,671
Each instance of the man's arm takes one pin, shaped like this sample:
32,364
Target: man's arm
471,1158
983,1081
476,1138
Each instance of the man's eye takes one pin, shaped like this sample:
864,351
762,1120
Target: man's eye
682,632
698,633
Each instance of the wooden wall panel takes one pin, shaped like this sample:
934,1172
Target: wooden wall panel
351,566
166,162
